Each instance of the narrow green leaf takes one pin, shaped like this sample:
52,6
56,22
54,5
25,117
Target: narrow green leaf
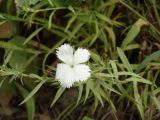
80,93
30,95
104,18
147,60
132,46
15,47
51,3
50,19
32,35
155,8
111,35
124,59
63,3
73,18
114,68
135,79
133,32
21,3
110,88
30,104
12,17
93,88
98,96
87,118
138,100
87,90
156,101
2,81
58,95
106,96
145,95
96,58
129,74
97,32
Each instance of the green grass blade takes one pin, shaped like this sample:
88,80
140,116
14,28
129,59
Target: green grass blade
138,100
147,60
58,95
30,104
124,59
30,95
133,32
33,35
87,90
135,79
80,94
156,102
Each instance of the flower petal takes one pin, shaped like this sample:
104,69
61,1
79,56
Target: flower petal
81,72
81,55
65,53
65,75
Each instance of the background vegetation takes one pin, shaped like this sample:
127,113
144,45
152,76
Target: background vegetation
123,37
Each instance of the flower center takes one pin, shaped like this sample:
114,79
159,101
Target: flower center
72,65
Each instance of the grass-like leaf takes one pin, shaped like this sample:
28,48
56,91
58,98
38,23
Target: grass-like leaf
133,32
124,60
155,55
30,104
33,35
30,95
58,95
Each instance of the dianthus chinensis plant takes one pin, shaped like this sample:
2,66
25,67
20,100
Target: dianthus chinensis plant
40,32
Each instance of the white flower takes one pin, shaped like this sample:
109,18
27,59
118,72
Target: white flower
73,69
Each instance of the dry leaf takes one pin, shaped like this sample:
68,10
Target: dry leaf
5,31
